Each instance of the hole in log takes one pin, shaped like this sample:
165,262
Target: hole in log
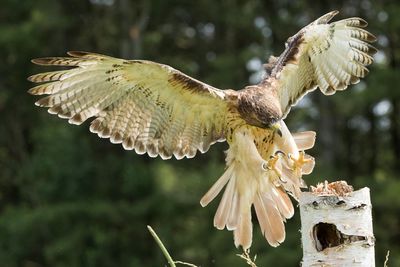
326,235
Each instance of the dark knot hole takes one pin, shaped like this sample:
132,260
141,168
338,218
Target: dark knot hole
326,235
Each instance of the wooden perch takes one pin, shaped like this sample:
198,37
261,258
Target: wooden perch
336,226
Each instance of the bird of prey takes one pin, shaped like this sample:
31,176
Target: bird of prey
155,109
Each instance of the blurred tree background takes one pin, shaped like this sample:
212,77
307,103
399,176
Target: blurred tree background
68,198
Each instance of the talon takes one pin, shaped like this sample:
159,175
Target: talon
281,179
300,161
272,162
264,166
279,152
271,165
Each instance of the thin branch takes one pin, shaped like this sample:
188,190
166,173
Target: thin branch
165,251
185,263
385,264
246,256
162,247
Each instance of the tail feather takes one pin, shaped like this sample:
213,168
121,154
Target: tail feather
270,220
234,213
283,202
224,208
243,235
217,187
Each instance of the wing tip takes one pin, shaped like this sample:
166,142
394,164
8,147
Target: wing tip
31,79
372,50
334,12
326,18
372,38
362,23
44,61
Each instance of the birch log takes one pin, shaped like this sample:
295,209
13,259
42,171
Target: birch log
336,226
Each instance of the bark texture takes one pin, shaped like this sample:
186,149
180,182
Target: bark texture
336,226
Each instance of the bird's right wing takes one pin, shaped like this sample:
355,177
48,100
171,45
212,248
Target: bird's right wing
144,105
330,56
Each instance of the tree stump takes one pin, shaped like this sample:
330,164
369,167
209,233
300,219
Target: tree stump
336,226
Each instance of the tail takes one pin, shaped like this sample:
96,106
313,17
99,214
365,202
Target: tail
250,180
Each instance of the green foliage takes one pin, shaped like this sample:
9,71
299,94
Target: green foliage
68,198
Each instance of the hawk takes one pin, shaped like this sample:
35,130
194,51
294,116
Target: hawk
155,109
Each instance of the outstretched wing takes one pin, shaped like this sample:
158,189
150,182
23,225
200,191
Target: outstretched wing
145,106
329,56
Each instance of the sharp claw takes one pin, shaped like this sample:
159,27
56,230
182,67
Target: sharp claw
271,164
281,179
264,166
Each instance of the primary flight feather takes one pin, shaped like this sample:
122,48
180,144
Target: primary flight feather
152,108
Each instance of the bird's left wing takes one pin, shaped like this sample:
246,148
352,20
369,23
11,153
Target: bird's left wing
330,56
144,105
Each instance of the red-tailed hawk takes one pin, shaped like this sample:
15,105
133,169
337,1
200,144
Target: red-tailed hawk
152,108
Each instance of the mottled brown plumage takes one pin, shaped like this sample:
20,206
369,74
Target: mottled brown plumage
257,107
155,109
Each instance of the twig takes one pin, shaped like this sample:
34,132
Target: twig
185,263
246,256
165,251
162,247
385,264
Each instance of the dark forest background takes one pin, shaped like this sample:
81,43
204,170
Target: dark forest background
68,198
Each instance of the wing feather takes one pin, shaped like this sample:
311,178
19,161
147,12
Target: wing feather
144,105
329,56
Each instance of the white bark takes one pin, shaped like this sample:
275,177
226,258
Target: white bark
336,227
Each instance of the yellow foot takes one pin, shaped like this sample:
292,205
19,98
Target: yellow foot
300,161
